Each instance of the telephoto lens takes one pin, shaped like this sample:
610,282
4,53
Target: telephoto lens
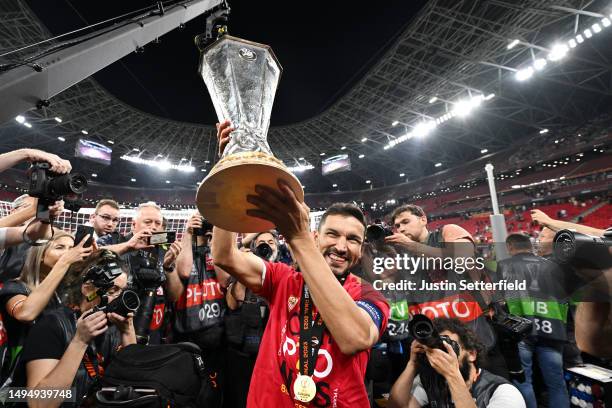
264,250
581,250
128,302
67,184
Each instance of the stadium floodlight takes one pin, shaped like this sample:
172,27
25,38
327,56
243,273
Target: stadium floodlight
133,180
110,142
423,128
438,164
301,168
489,97
524,74
464,107
539,64
588,33
202,170
167,181
58,119
334,185
558,52
27,124
605,22
365,139
159,164
343,148
579,39
543,131
20,119
433,99
61,139
368,181
572,43
596,28
513,44
94,175
83,131
402,174
395,123
322,154
361,156
483,151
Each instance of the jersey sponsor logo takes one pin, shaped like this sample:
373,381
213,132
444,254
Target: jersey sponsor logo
460,306
198,293
158,316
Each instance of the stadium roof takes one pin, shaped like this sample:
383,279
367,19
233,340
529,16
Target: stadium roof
450,50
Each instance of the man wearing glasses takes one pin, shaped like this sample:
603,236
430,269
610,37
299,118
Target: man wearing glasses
105,220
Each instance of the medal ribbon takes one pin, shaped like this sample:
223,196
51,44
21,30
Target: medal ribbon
311,334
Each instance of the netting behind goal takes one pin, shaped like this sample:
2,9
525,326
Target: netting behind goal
68,221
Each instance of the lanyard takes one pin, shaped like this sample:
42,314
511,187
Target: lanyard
311,333
92,361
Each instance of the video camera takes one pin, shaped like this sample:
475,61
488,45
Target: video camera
421,328
50,187
581,250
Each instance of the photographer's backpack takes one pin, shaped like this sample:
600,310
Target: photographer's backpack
169,375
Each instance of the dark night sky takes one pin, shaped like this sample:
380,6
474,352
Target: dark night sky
324,48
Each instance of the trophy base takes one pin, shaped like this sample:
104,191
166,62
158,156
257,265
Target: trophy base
221,197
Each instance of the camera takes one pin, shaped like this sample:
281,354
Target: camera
581,250
376,233
145,271
263,251
421,328
206,227
127,302
49,187
104,271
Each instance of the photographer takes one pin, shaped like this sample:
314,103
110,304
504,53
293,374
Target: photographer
201,307
442,378
70,346
151,271
23,300
349,314
105,220
246,320
539,304
449,241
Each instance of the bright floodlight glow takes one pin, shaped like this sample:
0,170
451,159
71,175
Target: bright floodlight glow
301,168
539,64
58,119
543,131
402,174
423,128
133,180
334,185
524,74
61,139
579,39
395,122
438,164
605,22
596,28
489,96
464,107
20,118
322,154
167,181
368,181
361,156
110,142
433,99
364,139
83,131
588,33
343,148
483,151
94,175
26,124
558,52
572,43
159,164
513,44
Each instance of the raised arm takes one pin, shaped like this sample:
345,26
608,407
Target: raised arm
557,225
11,159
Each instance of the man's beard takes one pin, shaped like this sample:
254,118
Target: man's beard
347,258
465,368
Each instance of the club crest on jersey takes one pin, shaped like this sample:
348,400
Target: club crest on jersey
291,302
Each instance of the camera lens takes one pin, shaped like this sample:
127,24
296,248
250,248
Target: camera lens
263,250
375,233
67,184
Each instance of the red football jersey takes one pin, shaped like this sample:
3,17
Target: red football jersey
339,377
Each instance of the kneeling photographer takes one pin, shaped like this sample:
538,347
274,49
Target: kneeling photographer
444,370
69,346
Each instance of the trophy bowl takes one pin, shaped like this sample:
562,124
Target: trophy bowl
241,77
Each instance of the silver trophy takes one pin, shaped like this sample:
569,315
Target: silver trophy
241,77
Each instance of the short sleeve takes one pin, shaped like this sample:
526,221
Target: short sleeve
272,273
506,396
45,341
2,237
369,295
453,233
418,392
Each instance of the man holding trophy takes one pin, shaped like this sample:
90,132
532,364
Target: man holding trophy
324,320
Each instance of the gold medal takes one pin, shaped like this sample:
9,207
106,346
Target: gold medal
304,388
